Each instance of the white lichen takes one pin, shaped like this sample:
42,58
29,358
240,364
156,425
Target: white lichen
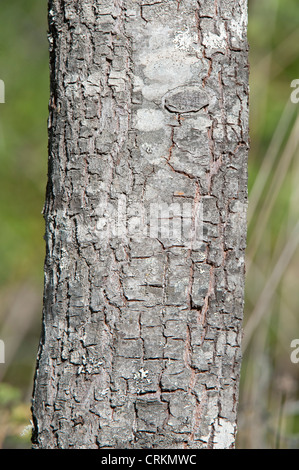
224,436
143,373
215,41
186,41
27,430
148,120
90,366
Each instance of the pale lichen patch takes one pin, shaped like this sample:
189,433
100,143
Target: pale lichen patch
224,435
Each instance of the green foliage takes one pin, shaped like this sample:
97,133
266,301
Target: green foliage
15,426
23,137
269,391
9,394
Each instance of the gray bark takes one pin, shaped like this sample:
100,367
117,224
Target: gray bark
140,346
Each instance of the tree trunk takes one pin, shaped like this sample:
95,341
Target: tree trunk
145,225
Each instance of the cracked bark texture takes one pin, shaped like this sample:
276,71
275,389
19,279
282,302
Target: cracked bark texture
141,339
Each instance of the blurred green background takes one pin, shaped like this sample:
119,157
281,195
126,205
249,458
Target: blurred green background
269,392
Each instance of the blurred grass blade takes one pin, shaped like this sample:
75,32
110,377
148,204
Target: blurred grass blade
270,158
273,192
262,305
